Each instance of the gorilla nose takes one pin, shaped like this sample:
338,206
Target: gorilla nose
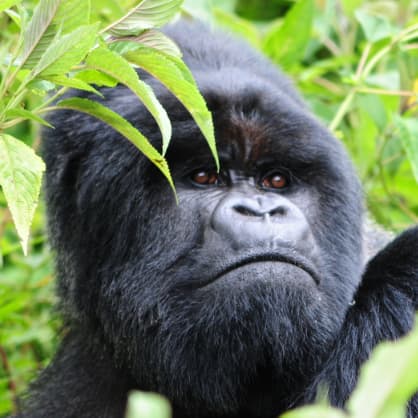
266,220
262,207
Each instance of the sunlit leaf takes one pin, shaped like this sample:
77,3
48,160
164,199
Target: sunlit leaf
117,67
315,411
96,77
151,38
122,126
49,18
287,49
6,4
20,178
75,83
26,114
174,74
147,405
409,136
146,15
387,381
375,27
66,51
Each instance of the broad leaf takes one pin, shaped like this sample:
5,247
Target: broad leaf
409,136
148,14
121,125
174,74
147,405
20,177
66,51
387,380
375,27
51,17
6,4
117,67
287,50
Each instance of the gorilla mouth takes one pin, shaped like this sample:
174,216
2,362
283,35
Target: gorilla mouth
289,257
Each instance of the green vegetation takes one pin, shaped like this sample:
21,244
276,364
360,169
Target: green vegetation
356,63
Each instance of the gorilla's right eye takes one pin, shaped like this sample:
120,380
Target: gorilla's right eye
205,178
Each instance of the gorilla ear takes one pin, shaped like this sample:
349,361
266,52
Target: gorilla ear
396,265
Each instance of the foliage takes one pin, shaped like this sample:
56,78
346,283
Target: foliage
54,48
356,63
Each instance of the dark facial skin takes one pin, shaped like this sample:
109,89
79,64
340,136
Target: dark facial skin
237,301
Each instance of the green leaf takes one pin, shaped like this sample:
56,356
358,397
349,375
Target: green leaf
26,114
286,43
151,38
148,14
117,67
6,4
387,381
97,78
174,74
75,83
20,177
147,405
375,27
51,17
315,411
66,51
408,128
121,125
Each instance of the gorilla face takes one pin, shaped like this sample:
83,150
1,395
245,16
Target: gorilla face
233,295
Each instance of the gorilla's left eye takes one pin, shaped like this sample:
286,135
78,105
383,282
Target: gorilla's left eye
205,178
274,180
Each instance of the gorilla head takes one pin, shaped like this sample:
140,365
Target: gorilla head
228,301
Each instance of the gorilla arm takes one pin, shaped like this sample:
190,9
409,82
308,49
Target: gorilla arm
383,309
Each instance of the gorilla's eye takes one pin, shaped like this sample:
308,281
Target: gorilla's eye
274,180
205,178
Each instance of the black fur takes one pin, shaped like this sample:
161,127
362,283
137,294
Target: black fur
136,271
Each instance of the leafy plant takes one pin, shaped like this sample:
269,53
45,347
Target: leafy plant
61,47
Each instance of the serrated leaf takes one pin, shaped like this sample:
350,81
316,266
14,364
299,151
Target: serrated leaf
26,114
174,74
49,18
148,14
375,27
121,125
97,78
20,178
286,49
151,38
387,381
117,67
409,137
6,4
75,83
66,51
147,405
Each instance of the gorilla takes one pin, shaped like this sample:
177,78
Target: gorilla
242,298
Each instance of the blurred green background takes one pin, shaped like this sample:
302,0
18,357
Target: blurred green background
355,62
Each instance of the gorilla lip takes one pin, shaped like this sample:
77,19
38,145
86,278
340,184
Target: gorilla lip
289,257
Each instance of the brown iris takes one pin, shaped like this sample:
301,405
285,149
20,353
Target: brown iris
205,178
274,181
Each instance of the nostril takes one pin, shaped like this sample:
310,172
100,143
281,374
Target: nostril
246,211
280,211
